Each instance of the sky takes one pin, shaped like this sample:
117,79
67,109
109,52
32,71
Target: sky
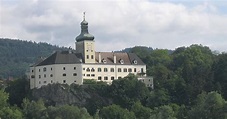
118,24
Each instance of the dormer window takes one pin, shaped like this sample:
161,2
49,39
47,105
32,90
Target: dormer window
121,61
104,61
135,61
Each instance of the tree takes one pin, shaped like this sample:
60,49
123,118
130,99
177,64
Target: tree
115,112
18,89
7,112
140,111
220,73
67,112
32,109
209,106
163,112
125,92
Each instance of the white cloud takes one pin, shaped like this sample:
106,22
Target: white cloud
122,23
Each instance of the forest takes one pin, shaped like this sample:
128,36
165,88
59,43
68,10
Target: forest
17,55
189,83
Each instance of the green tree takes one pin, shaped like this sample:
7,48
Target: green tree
220,74
163,112
140,111
115,112
18,89
32,109
125,92
67,112
3,99
209,106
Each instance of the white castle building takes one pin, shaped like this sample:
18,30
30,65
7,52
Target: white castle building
74,66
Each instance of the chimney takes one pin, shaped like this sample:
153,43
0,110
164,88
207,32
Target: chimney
114,58
100,58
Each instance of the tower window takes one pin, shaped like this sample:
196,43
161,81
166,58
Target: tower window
74,74
64,81
51,75
44,69
39,76
64,74
63,68
88,70
74,68
92,70
44,75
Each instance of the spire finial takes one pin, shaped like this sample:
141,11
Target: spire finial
84,15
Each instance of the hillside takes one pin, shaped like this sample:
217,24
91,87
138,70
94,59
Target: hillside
17,55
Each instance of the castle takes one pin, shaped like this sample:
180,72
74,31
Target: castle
74,66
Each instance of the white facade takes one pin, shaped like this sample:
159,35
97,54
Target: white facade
69,67
108,73
57,73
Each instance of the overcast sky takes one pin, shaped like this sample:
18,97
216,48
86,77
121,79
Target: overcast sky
118,24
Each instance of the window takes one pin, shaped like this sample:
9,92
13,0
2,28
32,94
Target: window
63,68
99,69
75,81
125,69
87,56
44,69
39,76
112,70
74,74
129,70
32,76
135,61
51,75
112,78
92,57
121,61
119,77
119,69
45,76
88,69
92,75
105,78
32,70
39,70
104,61
44,82
39,82
88,75
92,70
51,81
134,69
51,69
83,68
74,68
99,78
142,70
105,70
64,81
84,74
64,74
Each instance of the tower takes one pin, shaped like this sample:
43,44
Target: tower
85,43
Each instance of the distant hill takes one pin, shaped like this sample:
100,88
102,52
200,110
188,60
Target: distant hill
17,55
